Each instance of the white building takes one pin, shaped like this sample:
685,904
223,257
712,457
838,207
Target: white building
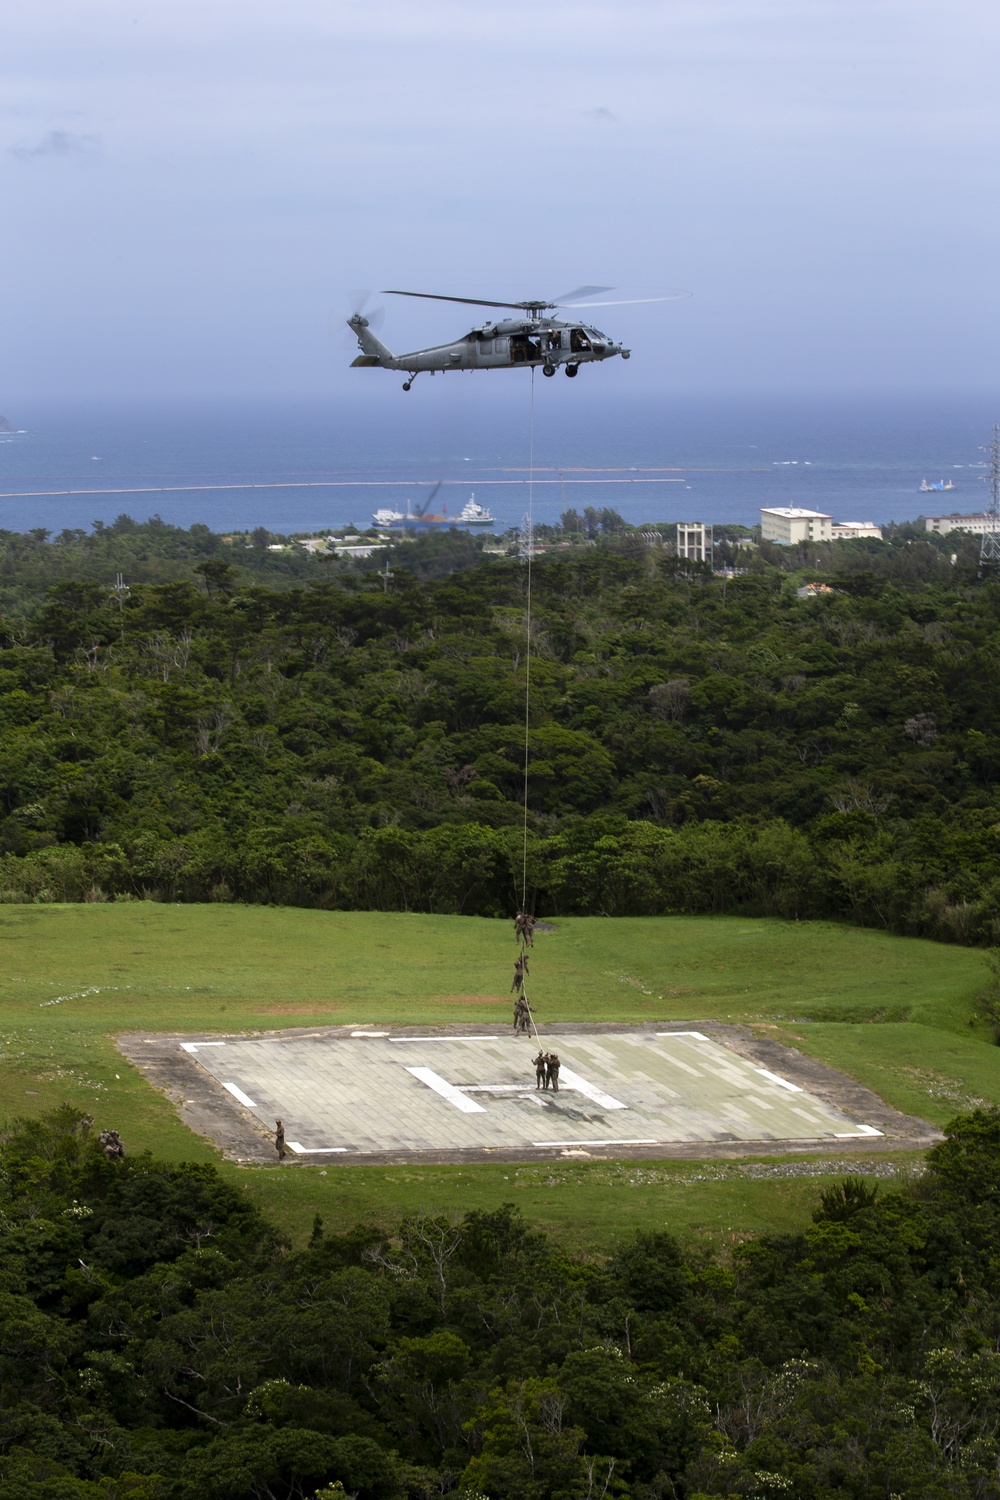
787,524
694,541
365,549
943,524
848,531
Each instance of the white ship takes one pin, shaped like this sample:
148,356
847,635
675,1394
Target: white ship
474,514
386,517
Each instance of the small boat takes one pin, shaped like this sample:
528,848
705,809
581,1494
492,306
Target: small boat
386,517
938,484
474,514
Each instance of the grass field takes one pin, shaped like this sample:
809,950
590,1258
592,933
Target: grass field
898,1014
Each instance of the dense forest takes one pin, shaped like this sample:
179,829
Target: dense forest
160,1341
242,724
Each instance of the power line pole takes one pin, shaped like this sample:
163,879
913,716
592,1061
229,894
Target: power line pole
989,550
121,591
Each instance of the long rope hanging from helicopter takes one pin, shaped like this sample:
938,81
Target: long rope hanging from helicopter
530,338
525,918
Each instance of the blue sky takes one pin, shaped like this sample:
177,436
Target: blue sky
191,188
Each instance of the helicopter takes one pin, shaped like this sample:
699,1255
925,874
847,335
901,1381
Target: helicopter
529,340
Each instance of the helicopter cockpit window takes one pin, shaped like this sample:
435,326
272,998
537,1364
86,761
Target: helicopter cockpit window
578,341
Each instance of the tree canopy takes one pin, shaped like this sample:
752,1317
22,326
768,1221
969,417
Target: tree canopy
228,731
160,1341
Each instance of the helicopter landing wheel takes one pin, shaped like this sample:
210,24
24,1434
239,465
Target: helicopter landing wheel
548,369
572,370
407,384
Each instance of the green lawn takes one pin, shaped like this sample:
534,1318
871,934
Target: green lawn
894,1012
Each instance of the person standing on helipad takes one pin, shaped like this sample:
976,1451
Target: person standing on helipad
552,1071
279,1140
540,1079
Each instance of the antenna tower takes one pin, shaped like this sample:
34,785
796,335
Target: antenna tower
989,551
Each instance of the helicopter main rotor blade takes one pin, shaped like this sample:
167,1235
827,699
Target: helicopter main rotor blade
629,301
568,298
472,301
537,305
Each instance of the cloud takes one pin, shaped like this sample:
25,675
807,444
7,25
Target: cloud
57,143
601,112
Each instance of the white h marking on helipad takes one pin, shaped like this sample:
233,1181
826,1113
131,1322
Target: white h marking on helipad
571,1080
447,1091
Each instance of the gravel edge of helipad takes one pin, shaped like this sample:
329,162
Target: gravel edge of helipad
208,1110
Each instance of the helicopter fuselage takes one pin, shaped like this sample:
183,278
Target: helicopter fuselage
502,345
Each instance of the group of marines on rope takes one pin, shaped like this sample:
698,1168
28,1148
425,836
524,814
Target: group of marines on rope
546,1063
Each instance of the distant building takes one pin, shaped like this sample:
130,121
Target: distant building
787,524
694,541
847,531
364,550
943,524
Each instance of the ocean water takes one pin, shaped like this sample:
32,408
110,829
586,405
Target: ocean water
312,464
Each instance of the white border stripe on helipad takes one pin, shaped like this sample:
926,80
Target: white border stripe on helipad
301,1150
649,1142
442,1039
781,1082
238,1093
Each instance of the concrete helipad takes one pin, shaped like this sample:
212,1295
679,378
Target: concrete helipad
374,1093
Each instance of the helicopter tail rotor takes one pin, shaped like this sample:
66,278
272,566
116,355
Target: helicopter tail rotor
363,305
359,304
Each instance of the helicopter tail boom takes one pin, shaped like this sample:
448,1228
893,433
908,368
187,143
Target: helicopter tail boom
373,351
